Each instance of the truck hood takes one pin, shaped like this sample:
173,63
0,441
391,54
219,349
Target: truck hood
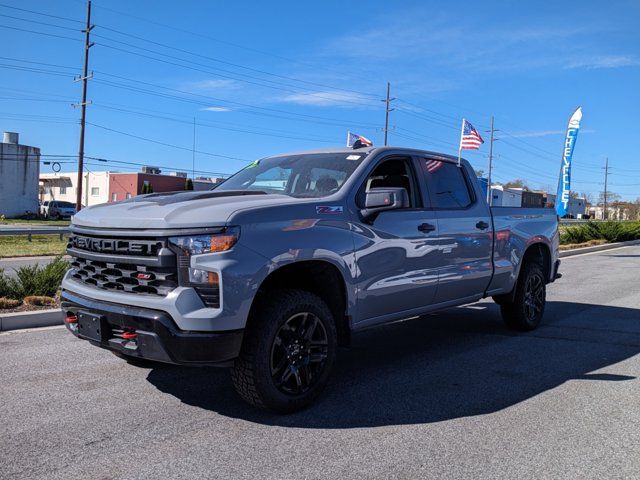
176,209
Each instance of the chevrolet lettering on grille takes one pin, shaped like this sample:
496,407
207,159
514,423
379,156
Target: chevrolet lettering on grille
105,245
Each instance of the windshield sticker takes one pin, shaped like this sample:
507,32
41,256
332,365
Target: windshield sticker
354,157
255,163
329,209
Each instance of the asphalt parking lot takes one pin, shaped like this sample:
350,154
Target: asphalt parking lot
453,395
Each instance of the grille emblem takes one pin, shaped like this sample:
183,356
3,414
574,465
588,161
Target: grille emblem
143,276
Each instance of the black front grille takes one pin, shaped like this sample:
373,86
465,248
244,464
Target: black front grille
125,277
127,265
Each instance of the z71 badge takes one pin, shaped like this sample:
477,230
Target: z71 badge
329,209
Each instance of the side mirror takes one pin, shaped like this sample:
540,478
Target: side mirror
382,199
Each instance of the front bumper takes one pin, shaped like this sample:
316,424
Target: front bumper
158,338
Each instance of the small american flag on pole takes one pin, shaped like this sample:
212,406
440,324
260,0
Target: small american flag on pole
470,139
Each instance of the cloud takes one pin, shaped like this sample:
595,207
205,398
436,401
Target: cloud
545,133
216,109
605,61
214,84
535,134
327,98
421,38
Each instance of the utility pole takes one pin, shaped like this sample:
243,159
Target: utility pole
489,196
83,105
605,213
193,152
386,112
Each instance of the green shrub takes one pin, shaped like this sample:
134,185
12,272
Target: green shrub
609,231
34,280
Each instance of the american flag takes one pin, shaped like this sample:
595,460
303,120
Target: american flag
352,138
470,139
433,165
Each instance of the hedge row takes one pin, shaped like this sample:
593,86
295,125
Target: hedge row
609,231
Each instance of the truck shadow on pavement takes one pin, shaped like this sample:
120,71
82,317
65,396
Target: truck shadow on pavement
453,364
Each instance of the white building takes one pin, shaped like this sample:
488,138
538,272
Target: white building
506,197
19,169
577,207
206,183
62,186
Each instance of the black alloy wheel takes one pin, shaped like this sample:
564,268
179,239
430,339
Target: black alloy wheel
299,353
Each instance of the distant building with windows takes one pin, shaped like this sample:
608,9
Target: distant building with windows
104,187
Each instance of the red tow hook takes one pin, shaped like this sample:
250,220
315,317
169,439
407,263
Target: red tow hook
129,335
70,319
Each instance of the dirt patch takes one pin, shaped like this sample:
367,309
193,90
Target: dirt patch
590,243
30,308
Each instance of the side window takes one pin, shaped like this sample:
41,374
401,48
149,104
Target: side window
393,173
447,185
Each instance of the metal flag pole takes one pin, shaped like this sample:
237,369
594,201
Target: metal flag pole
460,145
489,196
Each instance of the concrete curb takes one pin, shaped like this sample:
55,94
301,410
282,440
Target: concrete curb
35,319
597,248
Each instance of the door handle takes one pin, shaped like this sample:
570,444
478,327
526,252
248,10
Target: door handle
482,225
426,227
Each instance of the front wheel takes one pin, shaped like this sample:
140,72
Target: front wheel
526,309
288,352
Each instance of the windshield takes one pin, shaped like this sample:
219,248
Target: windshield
302,176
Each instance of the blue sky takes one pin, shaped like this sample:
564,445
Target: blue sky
265,77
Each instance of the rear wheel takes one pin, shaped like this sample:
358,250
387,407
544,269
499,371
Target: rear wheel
288,352
526,309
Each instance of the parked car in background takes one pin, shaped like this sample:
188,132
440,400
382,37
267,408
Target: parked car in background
56,209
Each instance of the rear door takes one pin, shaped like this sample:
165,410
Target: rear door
464,230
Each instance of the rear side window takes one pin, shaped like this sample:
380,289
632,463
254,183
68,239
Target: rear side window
446,184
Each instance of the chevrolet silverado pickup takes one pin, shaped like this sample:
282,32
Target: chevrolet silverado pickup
274,269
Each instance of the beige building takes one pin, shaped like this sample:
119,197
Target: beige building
62,186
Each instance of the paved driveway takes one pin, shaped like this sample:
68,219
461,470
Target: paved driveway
454,395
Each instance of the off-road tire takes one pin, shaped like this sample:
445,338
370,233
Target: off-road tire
252,371
526,310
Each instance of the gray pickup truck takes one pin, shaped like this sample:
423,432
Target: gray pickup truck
276,267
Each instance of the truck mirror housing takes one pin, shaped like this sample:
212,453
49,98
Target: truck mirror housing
382,199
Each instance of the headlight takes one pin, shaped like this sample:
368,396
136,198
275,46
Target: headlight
206,283
216,242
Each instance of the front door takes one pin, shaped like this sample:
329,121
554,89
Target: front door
396,253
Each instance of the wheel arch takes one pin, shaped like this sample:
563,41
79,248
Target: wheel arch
538,252
320,277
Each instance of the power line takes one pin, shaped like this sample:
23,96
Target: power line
304,116
188,64
164,143
201,124
41,13
224,62
38,23
40,33
208,37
